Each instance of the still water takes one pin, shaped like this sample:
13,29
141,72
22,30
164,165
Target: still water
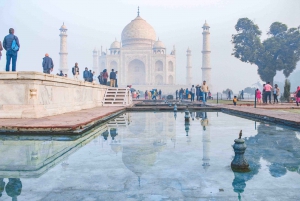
153,156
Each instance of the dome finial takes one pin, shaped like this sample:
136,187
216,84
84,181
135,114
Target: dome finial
138,11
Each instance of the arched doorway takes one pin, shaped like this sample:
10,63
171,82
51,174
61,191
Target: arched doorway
159,66
158,79
170,79
136,72
113,65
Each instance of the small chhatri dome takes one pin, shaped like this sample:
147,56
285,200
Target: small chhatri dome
115,45
205,25
138,33
63,27
159,45
188,50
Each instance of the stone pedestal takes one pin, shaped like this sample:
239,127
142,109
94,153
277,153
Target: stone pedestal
34,95
239,163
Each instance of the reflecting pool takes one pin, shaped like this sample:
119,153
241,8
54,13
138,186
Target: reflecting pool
155,156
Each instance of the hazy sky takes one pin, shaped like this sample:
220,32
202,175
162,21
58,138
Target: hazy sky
92,23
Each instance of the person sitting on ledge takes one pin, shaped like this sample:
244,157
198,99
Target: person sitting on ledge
61,73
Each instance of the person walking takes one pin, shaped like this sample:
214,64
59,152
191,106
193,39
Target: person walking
193,91
159,94
276,93
116,82
181,92
47,64
86,75
149,95
242,94
75,71
198,90
258,96
146,95
268,89
229,95
204,89
1,48
12,46
105,76
112,78
298,96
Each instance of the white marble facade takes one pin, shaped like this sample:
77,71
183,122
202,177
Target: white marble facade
140,59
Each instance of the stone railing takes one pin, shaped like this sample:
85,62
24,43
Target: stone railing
34,95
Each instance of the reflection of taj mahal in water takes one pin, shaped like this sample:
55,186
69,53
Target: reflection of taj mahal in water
142,59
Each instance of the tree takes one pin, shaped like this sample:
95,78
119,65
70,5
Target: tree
250,90
281,51
287,90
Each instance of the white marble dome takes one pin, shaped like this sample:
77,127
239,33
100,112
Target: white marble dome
138,33
159,45
115,45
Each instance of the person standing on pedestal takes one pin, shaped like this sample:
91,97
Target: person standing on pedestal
75,71
204,89
47,64
112,78
12,46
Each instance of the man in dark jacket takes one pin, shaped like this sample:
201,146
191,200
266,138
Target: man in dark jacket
75,71
47,64
112,78
86,75
90,76
10,53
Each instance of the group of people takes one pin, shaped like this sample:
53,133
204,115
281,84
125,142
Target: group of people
153,94
113,78
201,92
267,92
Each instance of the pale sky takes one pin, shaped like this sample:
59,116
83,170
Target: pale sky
92,23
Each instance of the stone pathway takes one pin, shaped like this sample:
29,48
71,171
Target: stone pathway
63,122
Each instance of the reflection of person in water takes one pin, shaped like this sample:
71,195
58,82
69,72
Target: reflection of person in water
105,134
204,120
2,185
13,188
113,133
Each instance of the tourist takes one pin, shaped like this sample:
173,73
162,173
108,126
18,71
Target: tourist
258,96
159,94
61,74
47,64
112,78
193,91
116,83
176,94
1,48
12,46
66,75
146,95
268,89
154,93
90,76
100,78
229,95
94,77
186,93
204,89
105,76
75,71
234,100
138,94
242,94
297,96
86,74
276,93
209,95
264,94
181,92
149,95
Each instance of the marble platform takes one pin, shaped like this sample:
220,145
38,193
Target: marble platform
34,95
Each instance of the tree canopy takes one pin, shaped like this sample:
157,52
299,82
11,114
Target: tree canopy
280,51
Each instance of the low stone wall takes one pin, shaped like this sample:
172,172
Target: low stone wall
34,95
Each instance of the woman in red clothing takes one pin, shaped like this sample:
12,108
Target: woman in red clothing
258,96
105,76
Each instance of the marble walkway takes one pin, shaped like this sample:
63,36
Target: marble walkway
63,122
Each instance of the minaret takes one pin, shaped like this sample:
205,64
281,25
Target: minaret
206,56
205,140
188,67
63,49
95,61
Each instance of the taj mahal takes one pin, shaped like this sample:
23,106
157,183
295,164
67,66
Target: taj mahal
142,59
